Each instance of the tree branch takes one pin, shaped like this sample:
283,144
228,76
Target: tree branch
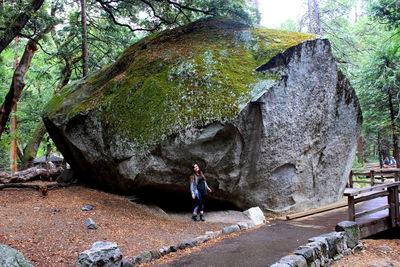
18,24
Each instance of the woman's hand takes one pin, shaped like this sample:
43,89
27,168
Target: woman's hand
193,197
209,190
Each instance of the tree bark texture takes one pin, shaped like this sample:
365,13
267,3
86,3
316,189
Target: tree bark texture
85,53
30,174
32,147
317,18
14,148
18,24
310,16
314,17
395,138
360,149
17,84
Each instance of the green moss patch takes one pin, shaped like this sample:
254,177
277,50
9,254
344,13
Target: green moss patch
189,76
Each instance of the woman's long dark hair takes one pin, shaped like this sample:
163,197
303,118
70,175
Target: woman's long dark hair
194,173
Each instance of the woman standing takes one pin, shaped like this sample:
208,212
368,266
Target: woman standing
198,188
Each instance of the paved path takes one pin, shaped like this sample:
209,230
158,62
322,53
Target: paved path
263,246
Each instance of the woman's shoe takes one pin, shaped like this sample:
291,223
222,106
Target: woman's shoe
202,218
194,218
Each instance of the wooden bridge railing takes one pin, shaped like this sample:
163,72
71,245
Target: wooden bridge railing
391,190
375,176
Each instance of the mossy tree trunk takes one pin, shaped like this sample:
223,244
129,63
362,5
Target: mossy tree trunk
32,147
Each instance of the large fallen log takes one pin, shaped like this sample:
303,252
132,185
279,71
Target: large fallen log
30,174
43,189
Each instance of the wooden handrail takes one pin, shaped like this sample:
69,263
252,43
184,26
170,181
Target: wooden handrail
357,191
391,190
370,197
388,173
367,212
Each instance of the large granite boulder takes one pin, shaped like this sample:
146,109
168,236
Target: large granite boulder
266,113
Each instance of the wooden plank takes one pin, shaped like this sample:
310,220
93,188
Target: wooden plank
351,208
377,170
372,196
354,191
367,212
366,182
373,227
341,204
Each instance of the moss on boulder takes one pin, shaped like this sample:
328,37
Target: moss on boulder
186,77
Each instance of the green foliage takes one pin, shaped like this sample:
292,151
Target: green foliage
357,164
387,12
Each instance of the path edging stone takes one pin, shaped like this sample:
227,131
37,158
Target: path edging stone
324,249
148,256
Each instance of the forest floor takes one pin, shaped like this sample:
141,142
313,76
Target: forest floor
376,253
51,230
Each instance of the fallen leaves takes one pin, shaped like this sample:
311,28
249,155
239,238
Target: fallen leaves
51,231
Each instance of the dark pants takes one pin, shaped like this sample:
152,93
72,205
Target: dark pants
199,202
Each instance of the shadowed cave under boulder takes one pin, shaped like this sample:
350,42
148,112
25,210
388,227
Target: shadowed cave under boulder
172,200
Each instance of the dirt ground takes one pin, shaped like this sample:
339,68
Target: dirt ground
376,253
51,231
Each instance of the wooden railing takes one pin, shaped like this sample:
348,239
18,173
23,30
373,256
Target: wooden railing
375,176
389,190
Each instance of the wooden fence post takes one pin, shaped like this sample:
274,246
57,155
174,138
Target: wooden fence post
372,177
351,179
396,176
352,208
393,201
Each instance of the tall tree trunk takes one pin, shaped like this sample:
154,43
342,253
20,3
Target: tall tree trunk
13,152
18,24
18,84
360,149
317,18
310,16
380,154
32,147
85,53
395,138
